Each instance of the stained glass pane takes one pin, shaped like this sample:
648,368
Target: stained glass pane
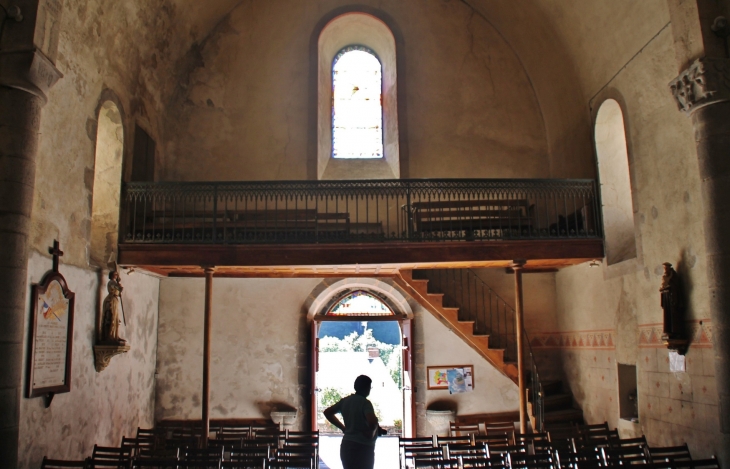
360,303
357,111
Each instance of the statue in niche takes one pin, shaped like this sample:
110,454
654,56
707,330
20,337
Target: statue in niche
671,301
112,309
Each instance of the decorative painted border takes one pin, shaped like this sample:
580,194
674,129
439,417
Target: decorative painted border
591,340
650,335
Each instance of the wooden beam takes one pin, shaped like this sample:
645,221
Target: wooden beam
206,352
545,253
517,267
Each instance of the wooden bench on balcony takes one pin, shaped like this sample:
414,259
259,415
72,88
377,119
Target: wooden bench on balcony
472,216
263,225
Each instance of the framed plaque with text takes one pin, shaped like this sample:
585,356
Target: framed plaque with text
51,336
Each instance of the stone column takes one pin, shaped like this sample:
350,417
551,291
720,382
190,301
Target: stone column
26,75
703,92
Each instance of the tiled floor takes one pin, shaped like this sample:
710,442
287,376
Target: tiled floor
386,452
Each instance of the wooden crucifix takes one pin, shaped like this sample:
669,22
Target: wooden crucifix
57,253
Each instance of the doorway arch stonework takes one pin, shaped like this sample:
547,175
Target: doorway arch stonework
330,289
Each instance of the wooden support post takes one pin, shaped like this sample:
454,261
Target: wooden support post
206,353
517,266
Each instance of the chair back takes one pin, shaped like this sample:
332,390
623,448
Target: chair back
62,464
668,453
461,429
453,440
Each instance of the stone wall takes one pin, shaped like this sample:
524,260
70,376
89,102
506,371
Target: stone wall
101,407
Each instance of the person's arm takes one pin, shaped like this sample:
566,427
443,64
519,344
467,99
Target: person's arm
373,426
330,414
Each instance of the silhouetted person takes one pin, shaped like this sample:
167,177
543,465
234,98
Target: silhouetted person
361,426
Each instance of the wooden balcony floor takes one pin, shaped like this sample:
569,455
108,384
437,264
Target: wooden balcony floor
355,259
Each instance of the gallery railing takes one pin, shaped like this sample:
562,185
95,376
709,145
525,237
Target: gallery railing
359,211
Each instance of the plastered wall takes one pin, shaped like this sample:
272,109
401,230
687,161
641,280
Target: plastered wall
493,391
259,352
612,314
101,407
124,52
248,108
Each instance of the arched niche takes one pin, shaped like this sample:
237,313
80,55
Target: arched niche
364,30
107,184
616,195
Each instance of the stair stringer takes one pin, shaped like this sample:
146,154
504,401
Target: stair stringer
433,302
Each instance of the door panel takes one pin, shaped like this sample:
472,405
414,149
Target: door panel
409,421
314,368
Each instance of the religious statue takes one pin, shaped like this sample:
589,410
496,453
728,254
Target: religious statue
112,310
671,301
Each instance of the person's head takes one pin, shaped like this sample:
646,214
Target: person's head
113,275
362,385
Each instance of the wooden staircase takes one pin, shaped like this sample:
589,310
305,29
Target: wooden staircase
558,404
559,410
433,302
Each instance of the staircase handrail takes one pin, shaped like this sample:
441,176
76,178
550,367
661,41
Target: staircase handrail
538,396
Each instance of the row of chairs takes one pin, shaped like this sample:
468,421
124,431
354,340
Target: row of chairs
574,447
485,428
180,448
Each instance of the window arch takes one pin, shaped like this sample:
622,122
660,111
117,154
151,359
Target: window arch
106,191
364,31
616,197
359,303
357,110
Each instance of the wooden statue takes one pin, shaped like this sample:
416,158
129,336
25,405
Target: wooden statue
112,310
671,301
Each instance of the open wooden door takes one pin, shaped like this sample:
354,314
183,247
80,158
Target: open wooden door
315,368
409,404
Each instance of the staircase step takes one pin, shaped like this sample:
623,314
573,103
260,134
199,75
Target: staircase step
452,314
510,368
550,387
482,340
564,416
436,299
558,402
420,285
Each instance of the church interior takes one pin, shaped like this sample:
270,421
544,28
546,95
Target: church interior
516,213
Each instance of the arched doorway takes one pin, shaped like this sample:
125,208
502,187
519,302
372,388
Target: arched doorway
365,324
359,334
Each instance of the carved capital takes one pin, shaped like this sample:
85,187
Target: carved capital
705,82
103,355
28,70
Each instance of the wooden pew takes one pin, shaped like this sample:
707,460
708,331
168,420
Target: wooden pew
472,216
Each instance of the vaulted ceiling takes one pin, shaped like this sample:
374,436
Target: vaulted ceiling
570,49
589,36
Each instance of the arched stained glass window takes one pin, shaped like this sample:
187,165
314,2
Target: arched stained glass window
357,107
359,303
